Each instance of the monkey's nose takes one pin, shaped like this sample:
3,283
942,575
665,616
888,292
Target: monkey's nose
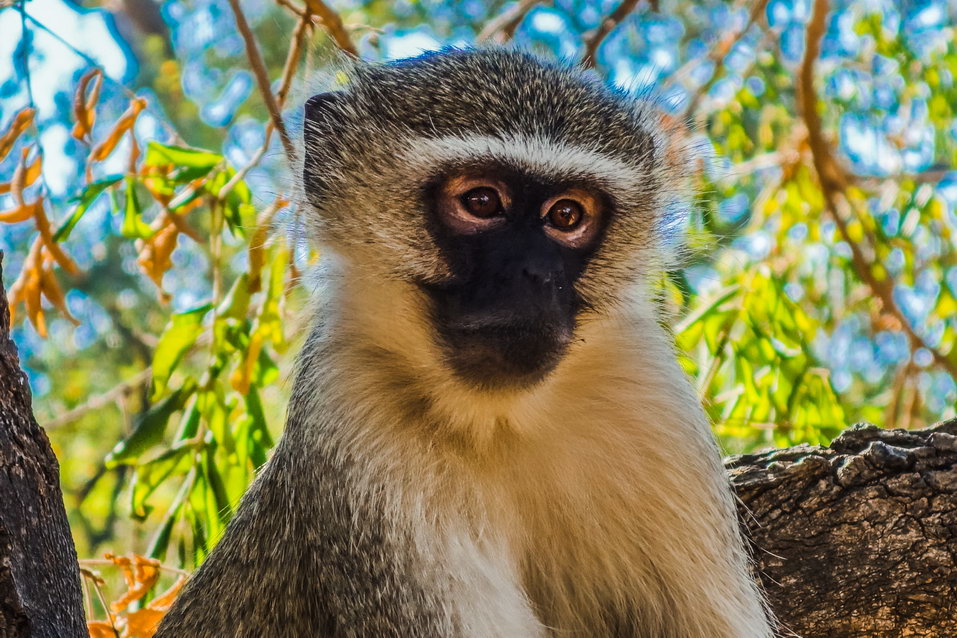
541,276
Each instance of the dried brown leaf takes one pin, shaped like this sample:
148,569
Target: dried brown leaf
43,225
19,124
21,213
155,253
23,176
102,150
84,106
31,298
165,600
52,291
100,629
143,623
140,573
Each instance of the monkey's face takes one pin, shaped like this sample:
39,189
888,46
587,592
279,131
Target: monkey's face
512,198
515,244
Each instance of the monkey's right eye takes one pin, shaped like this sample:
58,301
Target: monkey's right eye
482,202
472,203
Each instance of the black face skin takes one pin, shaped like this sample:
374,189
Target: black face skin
509,312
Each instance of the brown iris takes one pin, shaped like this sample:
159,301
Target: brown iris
482,202
565,214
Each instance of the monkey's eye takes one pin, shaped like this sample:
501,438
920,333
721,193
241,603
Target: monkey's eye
573,218
472,203
565,214
482,202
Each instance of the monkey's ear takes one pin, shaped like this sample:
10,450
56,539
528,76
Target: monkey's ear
322,119
321,112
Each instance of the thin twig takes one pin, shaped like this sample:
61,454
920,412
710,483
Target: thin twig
299,35
262,78
106,607
332,23
296,47
98,401
103,562
594,39
833,184
719,55
299,11
501,28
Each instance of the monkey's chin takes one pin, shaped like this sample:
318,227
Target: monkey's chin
507,357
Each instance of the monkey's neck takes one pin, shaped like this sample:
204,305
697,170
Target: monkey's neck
374,372
606,474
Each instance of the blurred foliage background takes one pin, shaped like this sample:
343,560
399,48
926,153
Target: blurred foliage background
142,207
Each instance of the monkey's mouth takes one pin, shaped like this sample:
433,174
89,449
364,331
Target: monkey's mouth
504,355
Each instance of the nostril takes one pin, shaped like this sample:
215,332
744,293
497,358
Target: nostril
541,276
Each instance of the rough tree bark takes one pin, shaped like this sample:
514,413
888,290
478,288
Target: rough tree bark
860,538
40,594
856,539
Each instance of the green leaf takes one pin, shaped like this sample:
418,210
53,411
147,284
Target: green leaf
259,439
189,422
236,302
148,427
223,507
160,542
708,307
164,154
133,225
151,474
180,334
86,199
196,514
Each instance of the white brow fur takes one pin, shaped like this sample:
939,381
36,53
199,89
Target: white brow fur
537,155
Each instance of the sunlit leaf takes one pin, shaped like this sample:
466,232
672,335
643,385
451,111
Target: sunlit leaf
178,337
133,225
89,195
149,427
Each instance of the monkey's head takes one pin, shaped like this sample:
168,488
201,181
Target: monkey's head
515,195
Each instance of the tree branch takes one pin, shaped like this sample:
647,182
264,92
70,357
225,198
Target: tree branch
856,539
262,78
332,23
40,591
100,400
834,182
296,47
594,39
501,28
718,55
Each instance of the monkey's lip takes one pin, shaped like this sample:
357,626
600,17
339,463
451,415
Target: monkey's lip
499,354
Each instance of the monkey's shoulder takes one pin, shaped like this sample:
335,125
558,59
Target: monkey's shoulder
303,556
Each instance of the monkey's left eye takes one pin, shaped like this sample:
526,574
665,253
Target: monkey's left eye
573,218
565,214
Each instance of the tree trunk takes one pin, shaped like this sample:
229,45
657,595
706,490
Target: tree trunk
40,594
860,538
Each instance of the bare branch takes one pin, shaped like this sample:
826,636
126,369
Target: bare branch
299,11
501,28
262,78
100,400
834,182
717,56
296,47
333,24
594,39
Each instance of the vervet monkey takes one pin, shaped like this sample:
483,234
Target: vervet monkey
489,433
